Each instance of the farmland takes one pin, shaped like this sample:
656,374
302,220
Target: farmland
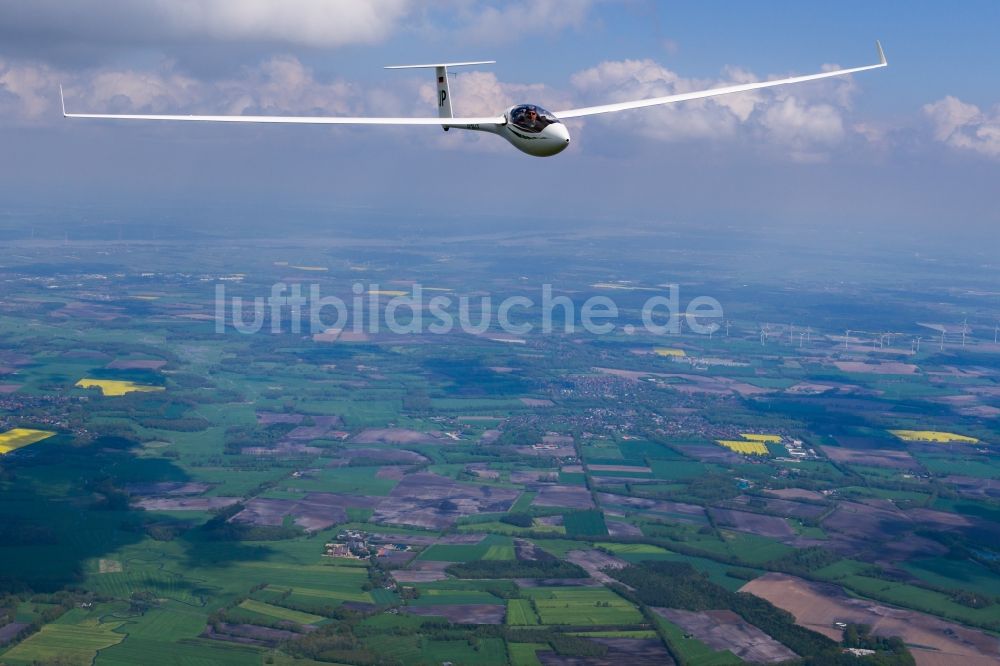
521,612
750,448
114,388
75,643
220,498
582,606
279,612
932,436
18,437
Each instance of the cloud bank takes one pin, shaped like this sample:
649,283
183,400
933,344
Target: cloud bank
319,23
804,122
965,127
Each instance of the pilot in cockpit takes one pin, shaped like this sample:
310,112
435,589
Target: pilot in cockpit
530,119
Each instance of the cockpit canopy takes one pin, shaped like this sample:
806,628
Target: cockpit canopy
531,118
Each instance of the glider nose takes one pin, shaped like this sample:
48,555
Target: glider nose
560,133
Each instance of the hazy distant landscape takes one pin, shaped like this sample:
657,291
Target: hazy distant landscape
174,494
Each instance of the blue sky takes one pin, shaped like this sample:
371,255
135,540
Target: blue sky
912,147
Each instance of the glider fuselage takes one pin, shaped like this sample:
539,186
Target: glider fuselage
529,128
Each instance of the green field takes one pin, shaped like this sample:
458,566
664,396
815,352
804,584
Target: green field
140,576
434,595
955,574
497,527
523,502
499,552
422,651
963,465
520,612
494,544
327,595
69,643
641,634
634,552
680,470
351,480
279,612
582,606
922,599
717,571
523,654
193,652
640,450
585,523
169,622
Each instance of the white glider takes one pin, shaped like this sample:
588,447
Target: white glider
528,127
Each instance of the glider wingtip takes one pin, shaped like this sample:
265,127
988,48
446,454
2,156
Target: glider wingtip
881,54
62,100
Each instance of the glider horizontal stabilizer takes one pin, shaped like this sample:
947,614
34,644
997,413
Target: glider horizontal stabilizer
443,64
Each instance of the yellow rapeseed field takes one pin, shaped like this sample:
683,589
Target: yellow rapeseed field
744,448
669,351
773,439
932,436
114,387
20,437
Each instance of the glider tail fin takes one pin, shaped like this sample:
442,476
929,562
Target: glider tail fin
443,92
441,74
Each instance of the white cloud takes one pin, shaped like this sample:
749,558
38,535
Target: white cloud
320,23
964,126
504,21
805,123
805,129
63,29
621,81
482,93
145,23
278,85
25,90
